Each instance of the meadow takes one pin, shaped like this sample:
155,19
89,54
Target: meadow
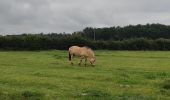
118,75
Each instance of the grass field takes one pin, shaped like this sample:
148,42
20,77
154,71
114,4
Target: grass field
118,75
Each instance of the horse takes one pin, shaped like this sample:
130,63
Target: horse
83,53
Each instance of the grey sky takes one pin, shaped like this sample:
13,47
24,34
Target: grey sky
34,16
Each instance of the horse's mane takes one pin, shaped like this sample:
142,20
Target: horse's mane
88,48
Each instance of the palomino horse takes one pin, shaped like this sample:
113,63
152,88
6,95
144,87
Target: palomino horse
83,53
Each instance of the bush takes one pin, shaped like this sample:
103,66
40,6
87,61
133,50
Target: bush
64,41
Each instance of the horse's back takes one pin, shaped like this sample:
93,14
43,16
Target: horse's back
83,51
74,50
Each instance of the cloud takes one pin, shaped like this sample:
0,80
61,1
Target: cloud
34,16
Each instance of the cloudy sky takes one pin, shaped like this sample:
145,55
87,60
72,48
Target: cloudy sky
34,16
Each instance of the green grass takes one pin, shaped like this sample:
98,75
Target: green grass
118,75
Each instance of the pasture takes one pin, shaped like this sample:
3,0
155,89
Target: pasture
118,75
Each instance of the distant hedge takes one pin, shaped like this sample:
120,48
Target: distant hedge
60,42
137,37
134,44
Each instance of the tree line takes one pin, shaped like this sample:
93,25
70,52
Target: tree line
149,31
132,37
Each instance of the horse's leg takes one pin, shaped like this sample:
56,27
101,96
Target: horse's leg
80,62
81,58
71,60
85,61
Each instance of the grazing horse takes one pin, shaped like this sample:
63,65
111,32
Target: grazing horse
83,53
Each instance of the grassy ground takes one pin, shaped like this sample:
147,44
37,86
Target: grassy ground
118,75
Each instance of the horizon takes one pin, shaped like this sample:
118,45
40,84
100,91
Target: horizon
5,34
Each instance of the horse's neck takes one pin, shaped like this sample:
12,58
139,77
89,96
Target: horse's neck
91,54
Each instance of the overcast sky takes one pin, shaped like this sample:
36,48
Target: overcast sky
34,16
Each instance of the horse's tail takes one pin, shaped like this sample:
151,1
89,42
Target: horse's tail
69,56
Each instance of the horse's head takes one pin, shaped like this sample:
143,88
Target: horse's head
92,60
